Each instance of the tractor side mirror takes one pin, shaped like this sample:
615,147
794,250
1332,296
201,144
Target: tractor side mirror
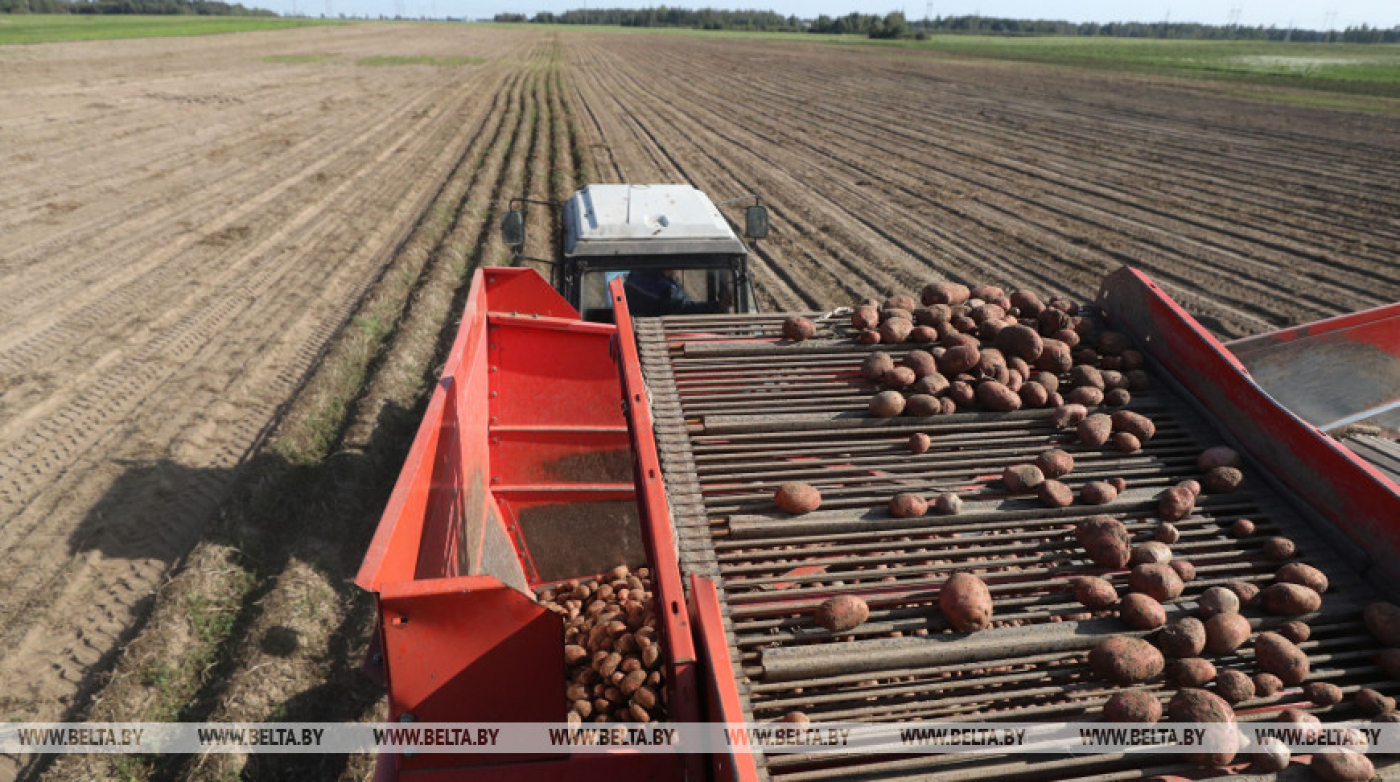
513,228
756,222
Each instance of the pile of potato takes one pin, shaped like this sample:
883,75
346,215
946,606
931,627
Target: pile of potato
613,659
1177,653
980,349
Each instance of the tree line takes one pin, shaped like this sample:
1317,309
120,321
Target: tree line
145,7
895,25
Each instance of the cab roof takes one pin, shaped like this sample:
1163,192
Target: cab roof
602,220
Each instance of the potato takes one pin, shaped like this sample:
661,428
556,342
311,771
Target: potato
1094,430
896,313
920,442
1242,528
1113,343
1306,575
944,293
923,335
1226,632
1122,659
1119,484
1085,395
876,365
1247,592
966,602
1279,656
1219,456
948,504
1051,320
1279,549
996,397
1191,486
1020,341
1289,599
1097,493
1185,637
1309,724
1266,685
1118,397
991,363
949,405
1295,631
1323,693
865,318
922,406
887,404
1184,570
1234,686
1087,356
1336,764
895,330
1383,620
901,301
799,329
1086,377
1191,672
1068,336
1054,357
1166,533
1217,600
1175,504
1033,394
931,385
934,316
899,377
1054,463
796,717
1050,381
1137,380
1094,593
953,339
1022,478
1105,540
988,292
1222,480
921,362
1372,703
959,358
1135,424
1141,612
963,324
1157,580
1195,705
868,337
1132,706
842,613
1054,494
797,498
1149,552
908,505
1127,443
1068,415
1271,755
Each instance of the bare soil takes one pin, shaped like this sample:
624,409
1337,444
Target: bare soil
885,169
188,225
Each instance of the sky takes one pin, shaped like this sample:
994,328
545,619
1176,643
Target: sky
1310,14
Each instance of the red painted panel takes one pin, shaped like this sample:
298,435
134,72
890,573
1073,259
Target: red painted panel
1353,494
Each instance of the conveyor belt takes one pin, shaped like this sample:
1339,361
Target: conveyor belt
737,414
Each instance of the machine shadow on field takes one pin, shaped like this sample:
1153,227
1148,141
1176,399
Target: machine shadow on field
280,518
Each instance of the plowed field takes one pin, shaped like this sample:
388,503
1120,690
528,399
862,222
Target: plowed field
186,225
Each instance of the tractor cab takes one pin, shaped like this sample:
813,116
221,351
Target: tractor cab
670,244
